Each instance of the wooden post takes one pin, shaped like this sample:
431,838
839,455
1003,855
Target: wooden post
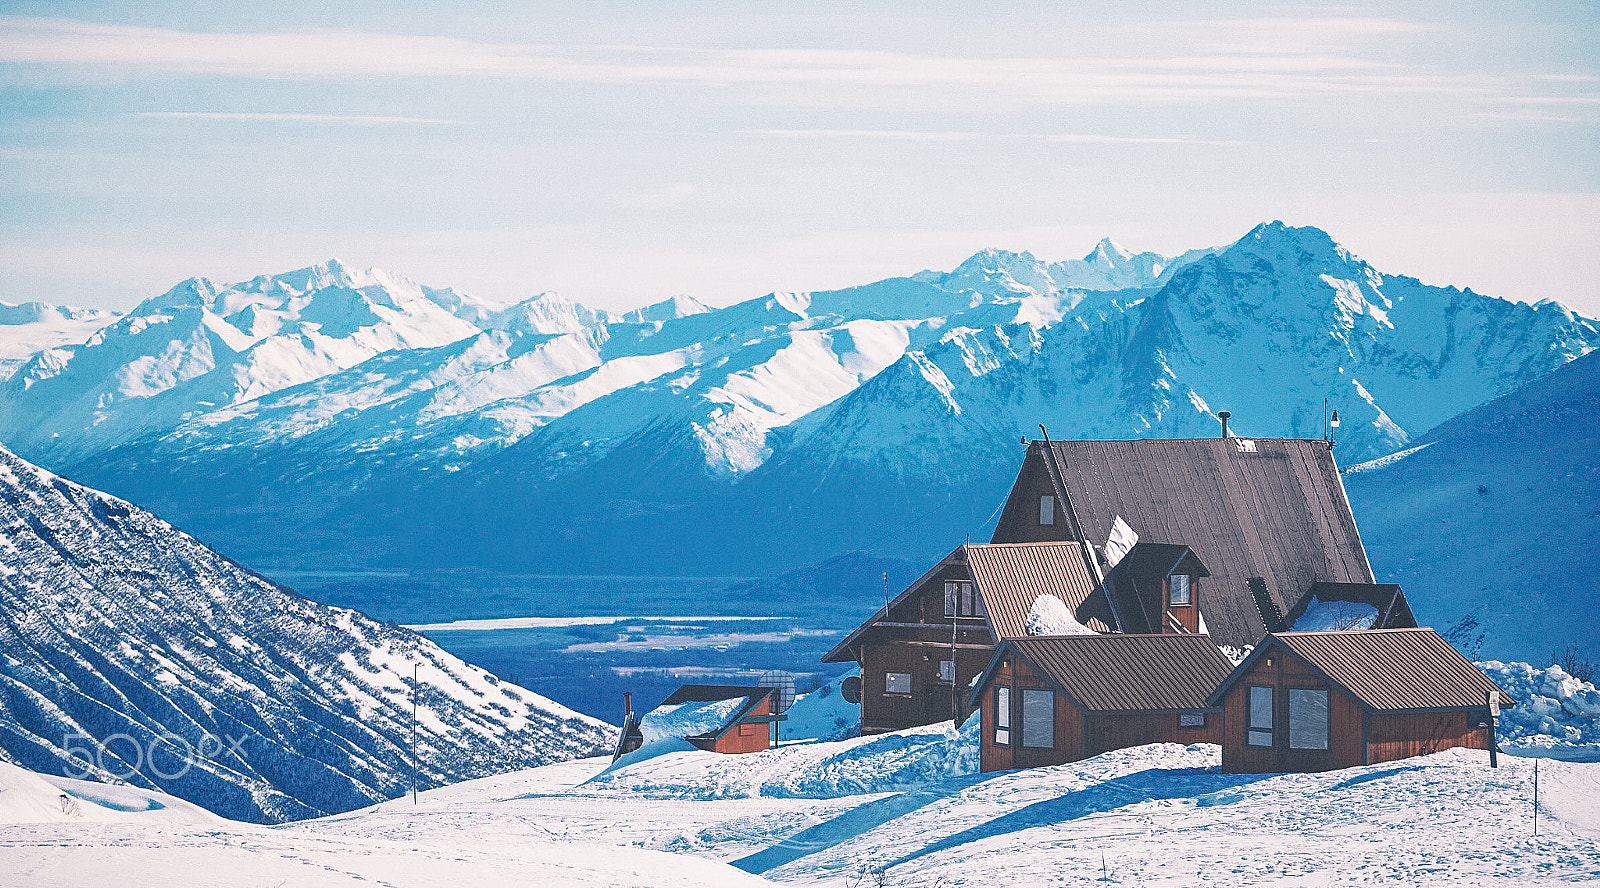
1494,736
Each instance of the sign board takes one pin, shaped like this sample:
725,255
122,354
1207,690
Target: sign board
1494,704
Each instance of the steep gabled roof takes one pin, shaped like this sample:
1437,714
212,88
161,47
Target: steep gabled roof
1386,670
1010,576
1122,673
1266,507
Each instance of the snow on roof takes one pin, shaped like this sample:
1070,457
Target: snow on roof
690,719
1326,616
1049,616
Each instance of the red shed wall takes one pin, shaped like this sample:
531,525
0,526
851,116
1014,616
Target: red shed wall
747,738
1283,671
1105,731
1068,722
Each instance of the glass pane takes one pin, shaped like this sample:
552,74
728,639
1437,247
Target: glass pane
1002,736
966,599
1308,719
1261,707
1260,738
1002,707
1038,718
1179,584
947,670
950,599
977,604
1047,510
897,683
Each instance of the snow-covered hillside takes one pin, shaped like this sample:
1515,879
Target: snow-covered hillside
897,809
357,412
1491,520
33,327
131,652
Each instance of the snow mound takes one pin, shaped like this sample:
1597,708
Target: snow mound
1555,714
687,719
1329,616
823,714
29,797
1049,616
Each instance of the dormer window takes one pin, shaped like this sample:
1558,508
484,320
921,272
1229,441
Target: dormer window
1179,593
1047,510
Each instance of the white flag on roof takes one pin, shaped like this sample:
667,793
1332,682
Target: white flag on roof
1121,540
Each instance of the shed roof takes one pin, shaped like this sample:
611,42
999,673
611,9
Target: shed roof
692,693
1385,669
1011,576
1134,587
1269,507
1124,673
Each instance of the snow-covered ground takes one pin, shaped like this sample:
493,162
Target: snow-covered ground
899,809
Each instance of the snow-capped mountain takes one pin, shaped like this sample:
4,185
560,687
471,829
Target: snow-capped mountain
792,409
33,327
1491,520
129,651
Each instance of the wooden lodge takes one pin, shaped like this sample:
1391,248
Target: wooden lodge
920,652
1056,699
1267,517
745,729
1318,701
1227,537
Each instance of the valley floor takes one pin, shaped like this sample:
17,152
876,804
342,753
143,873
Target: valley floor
900,810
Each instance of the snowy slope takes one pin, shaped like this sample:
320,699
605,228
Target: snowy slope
130,651
33,327
1492,522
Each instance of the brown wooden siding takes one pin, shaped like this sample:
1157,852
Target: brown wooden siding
1398,735
1105,731
1019,521
1069,724
917,654
747,738
1187,616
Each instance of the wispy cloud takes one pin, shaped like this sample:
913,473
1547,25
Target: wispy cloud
1267,59
363,119
955,136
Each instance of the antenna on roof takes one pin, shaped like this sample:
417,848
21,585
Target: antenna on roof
886,593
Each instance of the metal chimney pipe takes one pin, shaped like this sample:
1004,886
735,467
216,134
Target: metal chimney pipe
627,704
1224,417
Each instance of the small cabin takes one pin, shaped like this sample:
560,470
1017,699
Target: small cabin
1319,701
1049,700
716,718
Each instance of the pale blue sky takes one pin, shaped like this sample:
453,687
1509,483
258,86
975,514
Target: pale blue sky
624,152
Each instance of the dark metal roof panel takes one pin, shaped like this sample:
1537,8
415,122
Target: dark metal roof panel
1394,669
1272,508
1128,673
1011,576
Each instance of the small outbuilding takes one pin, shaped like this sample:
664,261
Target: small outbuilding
1048,700
716,718
1318,701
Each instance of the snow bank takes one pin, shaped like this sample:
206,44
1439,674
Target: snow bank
823,714
1556,714
1327,616
1049,616
884,763
687,719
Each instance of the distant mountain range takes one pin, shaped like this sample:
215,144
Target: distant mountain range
334,414
130,652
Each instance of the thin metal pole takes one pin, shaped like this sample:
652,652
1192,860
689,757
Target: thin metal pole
413,733
1536,797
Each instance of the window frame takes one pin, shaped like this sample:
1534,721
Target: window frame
1002,715
1047,510
1251,728
961,599
952,672
1038,694
889,676
1294,723
1172,590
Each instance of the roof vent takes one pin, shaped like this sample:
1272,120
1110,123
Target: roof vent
1224,417
1246,445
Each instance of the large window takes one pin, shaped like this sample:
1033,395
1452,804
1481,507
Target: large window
947,671
1047,510
1038,718
1259,732
961,600
1308,719
1002,715
1178,594
897,683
